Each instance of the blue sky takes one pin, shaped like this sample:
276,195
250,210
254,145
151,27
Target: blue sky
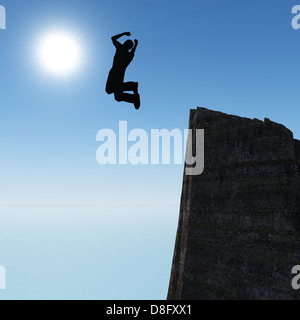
236,56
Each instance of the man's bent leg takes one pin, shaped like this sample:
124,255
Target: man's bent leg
130,86
126,97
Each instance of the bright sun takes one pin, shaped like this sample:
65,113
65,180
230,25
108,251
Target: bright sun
59,53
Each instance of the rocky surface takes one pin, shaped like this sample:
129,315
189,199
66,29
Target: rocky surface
239,228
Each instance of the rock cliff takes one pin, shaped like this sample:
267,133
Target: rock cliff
239,228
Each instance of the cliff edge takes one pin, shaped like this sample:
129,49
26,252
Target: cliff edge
239,227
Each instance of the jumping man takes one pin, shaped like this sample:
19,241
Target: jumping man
115,82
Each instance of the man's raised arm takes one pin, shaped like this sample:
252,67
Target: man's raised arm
115,38
135,46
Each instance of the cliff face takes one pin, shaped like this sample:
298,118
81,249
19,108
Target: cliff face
239,228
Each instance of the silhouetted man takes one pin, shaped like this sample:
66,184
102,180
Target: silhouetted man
115,82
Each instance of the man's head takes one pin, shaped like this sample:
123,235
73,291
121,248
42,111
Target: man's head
128,45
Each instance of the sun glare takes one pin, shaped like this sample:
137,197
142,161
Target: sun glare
59,53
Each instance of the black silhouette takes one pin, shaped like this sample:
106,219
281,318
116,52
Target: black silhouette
115,82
